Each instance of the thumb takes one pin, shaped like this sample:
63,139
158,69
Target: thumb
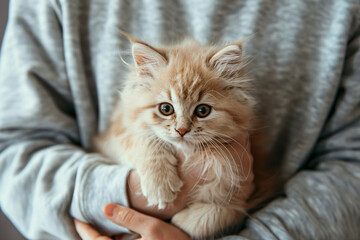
129,218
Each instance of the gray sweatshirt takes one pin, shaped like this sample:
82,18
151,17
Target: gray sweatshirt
59,78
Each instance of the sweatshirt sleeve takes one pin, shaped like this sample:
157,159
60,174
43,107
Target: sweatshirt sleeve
322,200
44,171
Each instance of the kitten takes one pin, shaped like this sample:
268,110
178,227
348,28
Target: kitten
189,98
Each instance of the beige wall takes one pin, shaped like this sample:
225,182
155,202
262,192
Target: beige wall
7,231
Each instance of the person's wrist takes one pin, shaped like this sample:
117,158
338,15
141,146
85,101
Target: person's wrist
99,184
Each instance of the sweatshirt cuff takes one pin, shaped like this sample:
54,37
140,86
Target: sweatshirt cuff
101,184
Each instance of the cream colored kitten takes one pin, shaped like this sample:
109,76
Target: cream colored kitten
189,98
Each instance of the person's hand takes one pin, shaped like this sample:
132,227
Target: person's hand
146,226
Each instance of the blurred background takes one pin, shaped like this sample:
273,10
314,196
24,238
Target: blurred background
7,230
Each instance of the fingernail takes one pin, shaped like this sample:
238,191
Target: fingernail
109,209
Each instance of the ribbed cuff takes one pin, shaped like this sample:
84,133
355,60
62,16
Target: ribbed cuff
101,184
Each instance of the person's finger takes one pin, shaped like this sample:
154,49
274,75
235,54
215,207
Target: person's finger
129,218
86,232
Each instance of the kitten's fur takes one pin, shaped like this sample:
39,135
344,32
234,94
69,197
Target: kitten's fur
185,76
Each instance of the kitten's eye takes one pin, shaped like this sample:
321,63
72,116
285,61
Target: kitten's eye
202,110
166,109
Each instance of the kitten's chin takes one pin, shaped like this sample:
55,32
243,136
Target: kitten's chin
182,144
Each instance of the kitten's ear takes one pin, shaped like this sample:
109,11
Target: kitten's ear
146,57
228,60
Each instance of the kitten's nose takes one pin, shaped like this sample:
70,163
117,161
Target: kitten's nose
182,131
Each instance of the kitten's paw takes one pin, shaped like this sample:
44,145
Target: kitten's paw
201,220
161,189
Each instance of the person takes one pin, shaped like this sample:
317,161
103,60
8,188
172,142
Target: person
59,76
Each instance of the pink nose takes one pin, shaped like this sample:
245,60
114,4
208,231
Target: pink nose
182,131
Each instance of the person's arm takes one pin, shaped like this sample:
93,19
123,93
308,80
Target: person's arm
43,169
322,202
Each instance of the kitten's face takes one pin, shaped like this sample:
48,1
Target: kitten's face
195,99
206,113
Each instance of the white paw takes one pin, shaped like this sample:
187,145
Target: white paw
161,188
202,220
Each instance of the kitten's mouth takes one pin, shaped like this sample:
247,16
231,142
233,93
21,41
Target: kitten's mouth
182,140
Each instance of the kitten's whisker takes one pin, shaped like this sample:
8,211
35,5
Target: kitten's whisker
232,158
195,163
245,152
221,153
230,172
236,172
203,168
206,147
244,176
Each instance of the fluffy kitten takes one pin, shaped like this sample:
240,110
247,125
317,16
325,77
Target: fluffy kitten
189,98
